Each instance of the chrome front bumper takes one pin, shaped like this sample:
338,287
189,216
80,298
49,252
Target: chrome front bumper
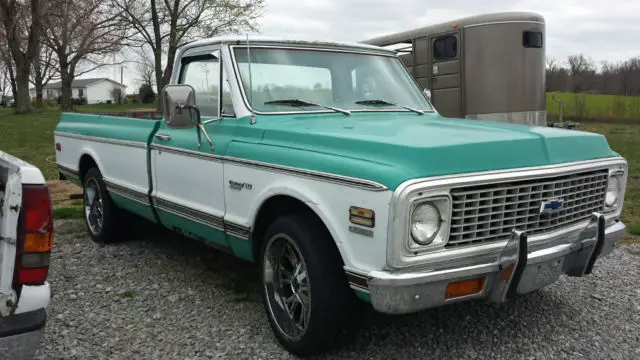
515,271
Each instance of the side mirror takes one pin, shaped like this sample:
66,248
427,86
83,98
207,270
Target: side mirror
428,93
179,104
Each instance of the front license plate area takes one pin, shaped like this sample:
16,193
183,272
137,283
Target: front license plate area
541,274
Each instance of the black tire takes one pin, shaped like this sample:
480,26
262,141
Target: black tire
115,226
330,295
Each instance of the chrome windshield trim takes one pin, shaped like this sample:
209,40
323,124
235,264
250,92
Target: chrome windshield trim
243,94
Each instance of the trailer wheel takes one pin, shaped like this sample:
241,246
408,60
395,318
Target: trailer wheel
305,291
103,219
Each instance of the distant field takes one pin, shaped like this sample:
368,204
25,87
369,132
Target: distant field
596,106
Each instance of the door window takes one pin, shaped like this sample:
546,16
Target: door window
203,74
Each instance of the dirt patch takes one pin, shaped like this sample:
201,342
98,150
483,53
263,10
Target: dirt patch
64,193
630,239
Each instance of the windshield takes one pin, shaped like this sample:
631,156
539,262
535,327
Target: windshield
325,78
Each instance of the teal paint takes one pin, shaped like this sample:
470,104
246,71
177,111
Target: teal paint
241,248
221,133
150,178
364,296
193,229
110,127
394,147
387,147
138,208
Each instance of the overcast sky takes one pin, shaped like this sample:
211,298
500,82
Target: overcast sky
603,29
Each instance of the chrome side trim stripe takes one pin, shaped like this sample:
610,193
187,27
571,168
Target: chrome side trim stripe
357,281
68,170
126,192
69,173
191,153
186,212
240,231
334,178
135,144
339,179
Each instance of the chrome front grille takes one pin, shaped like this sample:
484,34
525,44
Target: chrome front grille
487,213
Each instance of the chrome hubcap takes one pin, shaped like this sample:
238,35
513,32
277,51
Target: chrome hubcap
287,286
93,206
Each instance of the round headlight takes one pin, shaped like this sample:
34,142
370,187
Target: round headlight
613,192
425,223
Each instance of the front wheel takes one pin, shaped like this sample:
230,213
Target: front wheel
305,290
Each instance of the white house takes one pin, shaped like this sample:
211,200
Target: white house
96,90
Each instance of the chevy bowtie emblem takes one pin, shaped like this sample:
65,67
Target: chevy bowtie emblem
551,206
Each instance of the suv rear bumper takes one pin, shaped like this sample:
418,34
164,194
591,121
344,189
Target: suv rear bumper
515,271
21,332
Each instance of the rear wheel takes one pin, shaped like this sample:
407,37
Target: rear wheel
104,221
306,293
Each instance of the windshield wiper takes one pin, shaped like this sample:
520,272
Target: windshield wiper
385,102
298,102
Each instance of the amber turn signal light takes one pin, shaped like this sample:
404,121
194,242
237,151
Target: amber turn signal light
464,288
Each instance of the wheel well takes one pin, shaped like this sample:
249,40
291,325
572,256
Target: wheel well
274,208
86,163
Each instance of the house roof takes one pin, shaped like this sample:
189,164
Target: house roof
80,83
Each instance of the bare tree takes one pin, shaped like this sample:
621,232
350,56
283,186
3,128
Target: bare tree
581,70
145,68
8,69
45,69
5,82
22,23
163,25
629,76
82,32
580,64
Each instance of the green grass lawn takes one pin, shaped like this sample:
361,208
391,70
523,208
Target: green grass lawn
597,106
625,139
30,137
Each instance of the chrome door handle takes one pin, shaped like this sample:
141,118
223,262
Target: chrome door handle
163,137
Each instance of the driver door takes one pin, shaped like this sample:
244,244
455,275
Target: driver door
188,180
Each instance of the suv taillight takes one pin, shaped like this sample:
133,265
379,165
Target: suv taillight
35,238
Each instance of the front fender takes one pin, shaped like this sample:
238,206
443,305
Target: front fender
329,201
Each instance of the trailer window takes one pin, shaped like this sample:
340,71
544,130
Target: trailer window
445,48
532,39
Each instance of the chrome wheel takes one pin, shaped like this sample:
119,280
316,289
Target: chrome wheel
287,286
93,208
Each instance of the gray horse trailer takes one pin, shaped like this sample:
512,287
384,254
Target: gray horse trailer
485,67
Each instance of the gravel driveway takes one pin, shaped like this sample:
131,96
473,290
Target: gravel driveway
160,298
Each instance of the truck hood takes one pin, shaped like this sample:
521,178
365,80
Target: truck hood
398,146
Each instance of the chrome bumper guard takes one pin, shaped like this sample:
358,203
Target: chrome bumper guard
516,271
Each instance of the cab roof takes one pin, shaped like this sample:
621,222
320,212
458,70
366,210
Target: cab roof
277,41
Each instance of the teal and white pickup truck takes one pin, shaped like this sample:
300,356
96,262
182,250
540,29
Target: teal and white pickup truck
326,165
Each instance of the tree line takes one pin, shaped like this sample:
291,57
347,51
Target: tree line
580,74
45,40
